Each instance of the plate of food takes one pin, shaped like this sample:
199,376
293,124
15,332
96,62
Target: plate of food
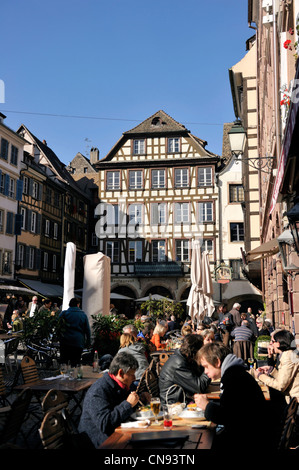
144,413
192,411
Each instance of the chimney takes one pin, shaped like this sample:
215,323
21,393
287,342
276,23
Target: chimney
44,142
94,155
2,117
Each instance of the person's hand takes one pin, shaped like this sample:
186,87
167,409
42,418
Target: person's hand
201,400
133,399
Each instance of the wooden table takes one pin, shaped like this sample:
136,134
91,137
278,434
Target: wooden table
198,438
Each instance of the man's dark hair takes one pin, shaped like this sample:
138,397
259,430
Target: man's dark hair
74,302
124,361
191,345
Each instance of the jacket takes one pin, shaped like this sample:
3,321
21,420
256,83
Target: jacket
285,378
105,407
76,331
178,371
242,408
138,351
236,317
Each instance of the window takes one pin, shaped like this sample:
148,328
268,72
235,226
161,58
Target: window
208,245
54,263
23,214
135,213
7,262
20,255
55,231
139,147
35,190
181,212
158,179
236,193
9,223
47,228
94,239
205,212
33,222
236,231
159,213
46,261
173,145
113,251
113,180
181,177
57,200
26,185
205,176
14,155
4,149
1,220
2,183
135,179
235,264
48,195
31,258
11,188
135,251
182,252
158,250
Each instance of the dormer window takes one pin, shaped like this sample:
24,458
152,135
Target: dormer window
139,147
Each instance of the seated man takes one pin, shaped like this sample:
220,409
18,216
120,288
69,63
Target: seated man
242,408
243,332
109,402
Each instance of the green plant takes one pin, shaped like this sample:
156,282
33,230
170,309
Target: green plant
258,340
42,326
162,308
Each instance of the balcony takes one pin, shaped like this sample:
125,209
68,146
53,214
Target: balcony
170,269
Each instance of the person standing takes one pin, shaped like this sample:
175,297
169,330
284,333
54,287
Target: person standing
33,307
236,315
75,333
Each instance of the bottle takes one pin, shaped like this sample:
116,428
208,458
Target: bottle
2,352
95,362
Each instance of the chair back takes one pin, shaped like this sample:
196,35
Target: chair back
289,423
243,349
16,416
163,358
29,370
54,400
52,431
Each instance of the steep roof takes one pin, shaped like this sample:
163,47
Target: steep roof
160,122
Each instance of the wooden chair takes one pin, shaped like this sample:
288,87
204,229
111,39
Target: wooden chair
11,349
29,370
15,416
52,431
163,358
148,383
289,423
54,400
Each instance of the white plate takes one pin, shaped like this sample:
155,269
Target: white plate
192,414
145,415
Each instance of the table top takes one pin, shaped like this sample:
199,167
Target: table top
197,438
63,384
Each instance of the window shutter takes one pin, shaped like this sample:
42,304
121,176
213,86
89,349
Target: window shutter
6,185
19,194
155,214
18,224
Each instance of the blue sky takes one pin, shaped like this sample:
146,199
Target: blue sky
112,64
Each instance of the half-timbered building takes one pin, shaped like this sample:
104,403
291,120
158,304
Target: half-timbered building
158,192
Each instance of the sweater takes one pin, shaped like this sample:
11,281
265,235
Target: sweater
105,407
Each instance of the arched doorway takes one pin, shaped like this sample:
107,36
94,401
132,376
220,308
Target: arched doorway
123,300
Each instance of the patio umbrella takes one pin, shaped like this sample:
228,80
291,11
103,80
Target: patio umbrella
207,285
115,296
69,274
195,299
96,285
153,297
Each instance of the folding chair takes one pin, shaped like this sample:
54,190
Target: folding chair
11,349
52,431
29,370
15,417
54,400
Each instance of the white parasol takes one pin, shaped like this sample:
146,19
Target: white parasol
195,300
69,274
207,285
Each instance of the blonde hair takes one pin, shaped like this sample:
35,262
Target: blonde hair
186,330
126,339
159,330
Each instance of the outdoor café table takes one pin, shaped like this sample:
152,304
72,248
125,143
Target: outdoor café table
198,438
74,389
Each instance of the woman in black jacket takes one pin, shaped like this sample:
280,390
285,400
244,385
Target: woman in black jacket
181,377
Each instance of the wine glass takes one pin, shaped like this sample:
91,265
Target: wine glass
155,407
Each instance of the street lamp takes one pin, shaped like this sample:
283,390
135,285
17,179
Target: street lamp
237,140
293,216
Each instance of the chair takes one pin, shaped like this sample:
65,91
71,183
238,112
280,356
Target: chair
15,416
52,431
243,349
289,423
54,400
29,370
163,358
11,349
148,383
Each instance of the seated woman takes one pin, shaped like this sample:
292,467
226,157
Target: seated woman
129,344
285,376
158,333
186,330
181,374
208,336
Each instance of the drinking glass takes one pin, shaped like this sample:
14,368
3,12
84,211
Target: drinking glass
155,407
63,369
167,417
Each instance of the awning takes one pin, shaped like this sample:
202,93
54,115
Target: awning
17,290
46,290
237,288
269,248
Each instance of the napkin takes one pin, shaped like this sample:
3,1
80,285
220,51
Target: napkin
136,424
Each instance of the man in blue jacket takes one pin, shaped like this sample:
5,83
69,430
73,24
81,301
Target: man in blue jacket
75,334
